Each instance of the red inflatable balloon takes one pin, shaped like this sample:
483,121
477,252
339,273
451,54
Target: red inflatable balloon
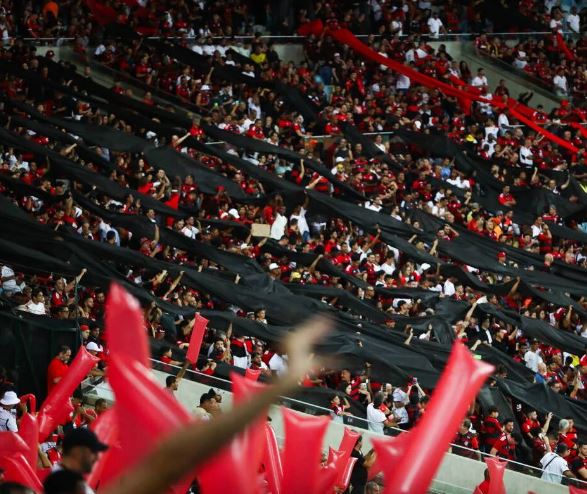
243,389
196,339
125,327
11,443
29,431
54,410
272,462
302,451
17,469
30,401
496,470
346,446
343,482
145,413
396,447
412,471
243,455
326,479
106,428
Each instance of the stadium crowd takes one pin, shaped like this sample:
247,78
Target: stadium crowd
346,90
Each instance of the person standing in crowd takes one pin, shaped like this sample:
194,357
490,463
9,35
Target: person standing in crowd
491,428
360,471
58,367
377,418
555,466
81,448
172,382
64,482
505,444
578,464
466,442
8,405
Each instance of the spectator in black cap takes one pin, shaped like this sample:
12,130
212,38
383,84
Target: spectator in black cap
80,453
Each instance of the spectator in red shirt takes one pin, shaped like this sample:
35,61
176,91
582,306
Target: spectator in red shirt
505,444
506,198
58,367
491,428
466,442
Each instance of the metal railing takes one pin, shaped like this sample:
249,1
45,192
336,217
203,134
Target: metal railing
311,409
57,40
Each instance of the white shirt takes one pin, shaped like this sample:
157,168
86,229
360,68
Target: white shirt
449,288
190,231
7,421
556,466
38,308
573,21
376,419
503,121
479,81
9,285
278,364
278,227
402,82
526,157
434,26
401,415
560,81
302,222
532,360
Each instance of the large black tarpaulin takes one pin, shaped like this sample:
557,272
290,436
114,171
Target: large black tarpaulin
358,335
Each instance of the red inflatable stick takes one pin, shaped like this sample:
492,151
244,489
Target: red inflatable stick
412,471
343,482
396,448
17,469
29,431
346,446
145,413
313,27
196,339
30,401
272,462
244,454
125,327
496,470
54,410
106,428
302,451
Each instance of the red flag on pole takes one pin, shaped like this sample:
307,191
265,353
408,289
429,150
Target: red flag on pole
196,338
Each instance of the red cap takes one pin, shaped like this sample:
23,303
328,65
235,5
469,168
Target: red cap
84,327
583,361
501,254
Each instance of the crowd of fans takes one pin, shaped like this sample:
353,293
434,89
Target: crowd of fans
345,89
545,59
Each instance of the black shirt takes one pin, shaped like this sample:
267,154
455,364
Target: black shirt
359,473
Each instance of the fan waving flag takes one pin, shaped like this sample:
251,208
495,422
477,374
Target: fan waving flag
196,338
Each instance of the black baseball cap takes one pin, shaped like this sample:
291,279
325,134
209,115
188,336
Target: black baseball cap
83,437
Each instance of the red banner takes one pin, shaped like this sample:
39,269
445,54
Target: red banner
196,338
465,96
